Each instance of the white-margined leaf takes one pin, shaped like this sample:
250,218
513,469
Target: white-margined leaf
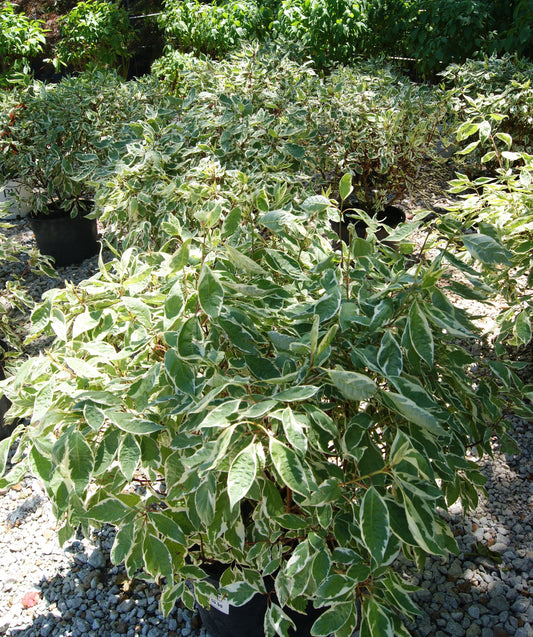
289,467
242,474
390,357
352,385
295,429
374,523
157,558
332,619
420,334
122,543
210,293
129,456
80,461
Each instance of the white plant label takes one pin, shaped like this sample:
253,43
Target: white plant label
220,604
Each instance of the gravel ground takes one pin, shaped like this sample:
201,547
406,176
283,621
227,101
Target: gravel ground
75,591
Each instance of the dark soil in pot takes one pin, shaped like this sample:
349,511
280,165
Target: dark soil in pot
67,239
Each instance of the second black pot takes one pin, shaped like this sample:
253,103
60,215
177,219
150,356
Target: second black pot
67,239
248,620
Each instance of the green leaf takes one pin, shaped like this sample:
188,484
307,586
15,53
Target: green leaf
334,586
377,618
242,261
138,309
413,413
157,558
328,306
296,394
84,323
80,461
129,456
420,334
332,620
180,373
484,130
231,222
94,416
289,467
468,149
204,500
466,130
422,526
374,523
167,527
294,429
210,293
294,150
345,186
109,510
352,385
180,258
58,324
174,301
277,622
507,139
239,593
522,328
242,474
5,445
131,424
390,357
122,543
486,249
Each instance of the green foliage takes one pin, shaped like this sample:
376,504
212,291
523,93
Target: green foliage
287,413
95,34
388,22
213,29
437,33
22,39
327,31
376,124
514,20
229,388
255,122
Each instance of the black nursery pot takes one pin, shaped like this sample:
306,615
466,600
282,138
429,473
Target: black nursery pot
67,239
248,620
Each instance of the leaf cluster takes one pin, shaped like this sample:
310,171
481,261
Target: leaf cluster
22,39
95,34
500,207
260,121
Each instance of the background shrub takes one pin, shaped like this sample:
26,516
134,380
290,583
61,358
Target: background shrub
213,29
95,33
445,32
327,31
21,39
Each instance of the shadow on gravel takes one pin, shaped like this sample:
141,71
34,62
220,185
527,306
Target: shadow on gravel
487,590
92,598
